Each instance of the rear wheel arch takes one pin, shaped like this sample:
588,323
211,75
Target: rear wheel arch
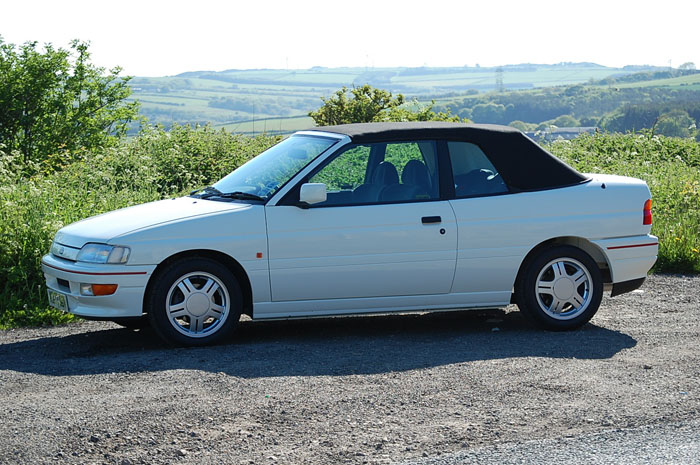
229,262
560,288
580,243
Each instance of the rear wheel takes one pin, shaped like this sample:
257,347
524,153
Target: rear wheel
194,302
560,289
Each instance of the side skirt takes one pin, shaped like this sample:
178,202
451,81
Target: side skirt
331,307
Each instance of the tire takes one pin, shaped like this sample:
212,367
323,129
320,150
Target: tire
194,302
132,322
560,289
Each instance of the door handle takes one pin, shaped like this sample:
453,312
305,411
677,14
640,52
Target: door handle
431,219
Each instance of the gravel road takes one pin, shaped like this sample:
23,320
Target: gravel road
659,444
383,389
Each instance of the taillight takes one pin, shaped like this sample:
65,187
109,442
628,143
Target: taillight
647,212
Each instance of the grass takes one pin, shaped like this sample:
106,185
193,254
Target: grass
690,81
159,164
270,125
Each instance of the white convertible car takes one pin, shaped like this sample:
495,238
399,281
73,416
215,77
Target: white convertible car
364,218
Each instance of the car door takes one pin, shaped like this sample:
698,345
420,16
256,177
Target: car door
492,228
383,230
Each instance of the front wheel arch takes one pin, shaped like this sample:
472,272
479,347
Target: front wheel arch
229,262
194,302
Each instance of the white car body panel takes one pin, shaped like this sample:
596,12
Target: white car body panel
103,228
325,307
234,229
361,251
496,233
238,232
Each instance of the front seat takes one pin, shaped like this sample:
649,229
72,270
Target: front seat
384,175
416,173
415,184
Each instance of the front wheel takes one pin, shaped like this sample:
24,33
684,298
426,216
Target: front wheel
195,301
560,289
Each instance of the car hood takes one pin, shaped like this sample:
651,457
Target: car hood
103,228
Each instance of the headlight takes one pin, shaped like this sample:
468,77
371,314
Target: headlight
103,253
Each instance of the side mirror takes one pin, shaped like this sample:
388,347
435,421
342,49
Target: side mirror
312,193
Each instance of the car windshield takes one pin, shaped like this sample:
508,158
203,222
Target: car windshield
265,174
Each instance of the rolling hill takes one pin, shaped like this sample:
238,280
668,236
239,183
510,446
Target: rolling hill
277,101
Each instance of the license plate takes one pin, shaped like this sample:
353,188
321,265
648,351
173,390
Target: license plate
58,300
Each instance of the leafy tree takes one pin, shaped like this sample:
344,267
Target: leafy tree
566,121
687,65
488,112
54,102
366,104
522,126
676,123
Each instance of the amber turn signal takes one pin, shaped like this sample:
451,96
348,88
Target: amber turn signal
98,289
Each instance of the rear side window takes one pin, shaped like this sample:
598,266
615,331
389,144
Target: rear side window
474,175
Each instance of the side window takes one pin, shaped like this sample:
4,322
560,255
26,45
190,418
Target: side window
381,173
474,174
345,172
416,167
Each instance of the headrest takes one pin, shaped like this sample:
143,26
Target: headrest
416,173
385,174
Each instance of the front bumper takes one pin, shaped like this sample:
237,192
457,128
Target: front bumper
65,277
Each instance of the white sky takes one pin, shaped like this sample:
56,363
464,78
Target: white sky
156,38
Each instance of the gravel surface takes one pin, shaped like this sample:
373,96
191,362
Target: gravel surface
659,444
380,389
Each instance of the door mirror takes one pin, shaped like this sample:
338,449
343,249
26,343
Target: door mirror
311,193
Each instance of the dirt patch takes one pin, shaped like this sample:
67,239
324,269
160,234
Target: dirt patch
349,390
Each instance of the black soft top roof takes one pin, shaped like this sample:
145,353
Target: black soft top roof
522,163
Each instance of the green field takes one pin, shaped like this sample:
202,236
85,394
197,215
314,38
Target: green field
254,101
683,82
269,125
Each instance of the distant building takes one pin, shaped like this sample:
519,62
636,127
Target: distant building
555,133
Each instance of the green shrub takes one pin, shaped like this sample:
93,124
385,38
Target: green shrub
671,168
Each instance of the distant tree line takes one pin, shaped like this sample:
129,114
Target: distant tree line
689,69
677,119
263,105
610,108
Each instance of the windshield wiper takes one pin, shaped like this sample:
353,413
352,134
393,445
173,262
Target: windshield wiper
207,192
240,196
211,191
